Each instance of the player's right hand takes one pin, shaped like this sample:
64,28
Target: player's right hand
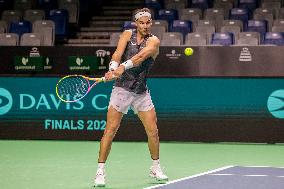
109,76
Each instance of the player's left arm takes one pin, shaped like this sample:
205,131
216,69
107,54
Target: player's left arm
150,50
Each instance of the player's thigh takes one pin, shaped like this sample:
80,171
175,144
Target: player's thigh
113,119
149,119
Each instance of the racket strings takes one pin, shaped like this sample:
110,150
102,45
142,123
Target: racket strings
73,88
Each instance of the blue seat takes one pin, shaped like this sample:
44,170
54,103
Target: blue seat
239,14
257,26
60,19
20,27
47,5
153,4
274,38
181,26
201,4
249,4
167,14
223,38
129,25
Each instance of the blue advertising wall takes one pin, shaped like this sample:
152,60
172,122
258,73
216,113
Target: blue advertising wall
188,109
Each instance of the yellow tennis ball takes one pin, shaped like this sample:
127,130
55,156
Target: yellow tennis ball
188,51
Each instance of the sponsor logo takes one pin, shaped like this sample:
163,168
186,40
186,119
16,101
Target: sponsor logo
6,101
173,54
275,104
102,55
245,55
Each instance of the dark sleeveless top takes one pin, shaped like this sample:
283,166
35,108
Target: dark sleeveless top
134,79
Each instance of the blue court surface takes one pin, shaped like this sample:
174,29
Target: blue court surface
231,177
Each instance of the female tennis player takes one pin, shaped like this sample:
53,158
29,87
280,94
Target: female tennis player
131,61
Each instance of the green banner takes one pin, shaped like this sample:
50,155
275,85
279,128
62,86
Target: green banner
83,63
25,63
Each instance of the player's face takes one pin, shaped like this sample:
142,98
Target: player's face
143,25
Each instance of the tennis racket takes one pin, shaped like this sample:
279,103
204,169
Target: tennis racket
73,88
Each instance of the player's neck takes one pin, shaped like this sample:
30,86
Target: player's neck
140,37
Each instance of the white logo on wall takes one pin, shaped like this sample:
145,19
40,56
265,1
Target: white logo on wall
34,52
173,54
79,61
102,53
25,61
245,55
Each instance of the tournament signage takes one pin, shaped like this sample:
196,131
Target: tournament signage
82,63
33,62
203,109
99,61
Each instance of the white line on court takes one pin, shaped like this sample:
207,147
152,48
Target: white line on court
222,174
255,175
190,177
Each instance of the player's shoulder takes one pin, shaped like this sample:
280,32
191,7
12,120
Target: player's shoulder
154,39
127,32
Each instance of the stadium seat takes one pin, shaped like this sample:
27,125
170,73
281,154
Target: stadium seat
47,29
232,29
249,4
226,5
207,27
249,39
158,31
181,26
33,15
20,27
172,39
60,19
31,39
160,23
269,4
159,27
73,7
239,14
153,4
278,25
169,15
23,5
281,14
129,25
224,39
257,26
11,16
274,38
238,23
9,39
114,37
264,14
196,39
216,14
201,4
3,26
191,14
47,5
175,4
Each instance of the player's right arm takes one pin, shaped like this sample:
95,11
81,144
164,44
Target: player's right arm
116,57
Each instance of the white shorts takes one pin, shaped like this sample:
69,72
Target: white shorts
122,100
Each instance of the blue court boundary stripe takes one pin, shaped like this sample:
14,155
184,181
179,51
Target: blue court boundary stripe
205,173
